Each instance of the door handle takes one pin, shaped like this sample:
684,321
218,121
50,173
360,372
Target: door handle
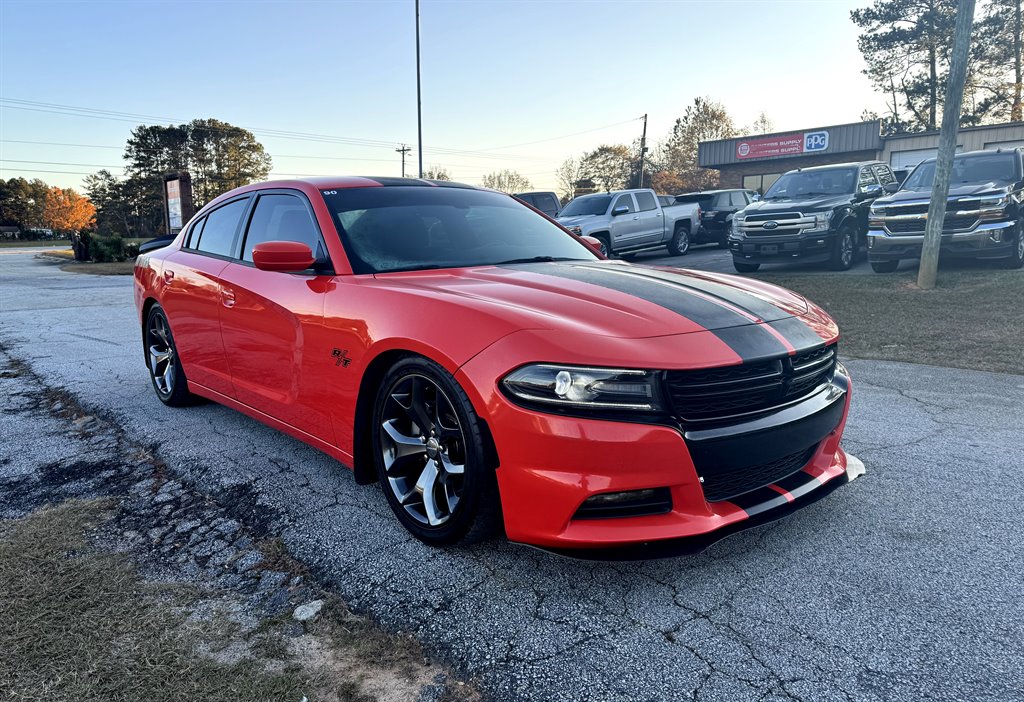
637,217
227,297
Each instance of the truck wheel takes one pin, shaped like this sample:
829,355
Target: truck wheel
680,243
1016,259
606,247
885,266
844,250
745,267
723,243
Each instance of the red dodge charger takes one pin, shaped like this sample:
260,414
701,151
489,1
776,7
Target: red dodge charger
489,369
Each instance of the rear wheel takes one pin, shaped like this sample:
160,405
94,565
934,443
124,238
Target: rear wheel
885,266
679,245
1016,259
429,451
745,267
844,249
165,369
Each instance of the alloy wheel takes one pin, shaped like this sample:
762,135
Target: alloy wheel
424,449
160,348
847,249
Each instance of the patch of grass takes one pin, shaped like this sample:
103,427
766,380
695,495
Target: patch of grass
118,268
973,319
79,625
18,244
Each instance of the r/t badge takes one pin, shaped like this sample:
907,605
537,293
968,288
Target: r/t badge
341,358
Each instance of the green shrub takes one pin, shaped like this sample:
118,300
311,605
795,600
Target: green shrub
108,249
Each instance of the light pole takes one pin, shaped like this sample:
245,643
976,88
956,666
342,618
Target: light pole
419,94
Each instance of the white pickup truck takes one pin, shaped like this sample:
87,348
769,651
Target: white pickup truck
631,221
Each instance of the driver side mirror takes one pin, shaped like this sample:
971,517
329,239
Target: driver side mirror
282,256
870,191
890,188
620,210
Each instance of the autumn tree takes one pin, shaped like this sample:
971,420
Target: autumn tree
67,211
437,173
675,159
507,181
609,166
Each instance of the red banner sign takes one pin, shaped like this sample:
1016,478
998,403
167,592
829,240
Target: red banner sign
767,147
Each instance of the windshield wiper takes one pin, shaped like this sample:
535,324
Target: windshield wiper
537,259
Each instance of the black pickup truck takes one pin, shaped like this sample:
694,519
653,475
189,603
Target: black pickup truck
810,215
984,213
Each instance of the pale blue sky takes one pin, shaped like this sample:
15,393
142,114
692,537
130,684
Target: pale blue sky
510,79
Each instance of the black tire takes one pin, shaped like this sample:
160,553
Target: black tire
1016,259
745,267
423,459
606,247
844,250
723,243
165,371
885,266
679,245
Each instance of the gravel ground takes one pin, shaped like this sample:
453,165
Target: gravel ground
903,585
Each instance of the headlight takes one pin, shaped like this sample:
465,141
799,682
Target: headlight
585,388
875,215
737,222
576,229
821,222
995,201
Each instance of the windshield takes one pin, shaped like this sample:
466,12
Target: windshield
982,168
831,181
404,228
587,205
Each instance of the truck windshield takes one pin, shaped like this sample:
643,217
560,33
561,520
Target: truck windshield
830,181
586,205
980,168
407,228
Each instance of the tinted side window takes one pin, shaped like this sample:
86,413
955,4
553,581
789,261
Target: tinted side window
281,218
646,202
545,203
866,178
738,199
884,174
218,235
624,201
194,233
528,199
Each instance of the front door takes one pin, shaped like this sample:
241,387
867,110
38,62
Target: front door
626,228
272,321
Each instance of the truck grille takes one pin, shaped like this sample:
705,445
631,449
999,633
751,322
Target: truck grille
952,223
783,223
719,393
728,484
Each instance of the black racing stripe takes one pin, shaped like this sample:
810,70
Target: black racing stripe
760,500
800,336
799,483
748,302
749,341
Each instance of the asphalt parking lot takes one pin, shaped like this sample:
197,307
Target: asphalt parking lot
904,585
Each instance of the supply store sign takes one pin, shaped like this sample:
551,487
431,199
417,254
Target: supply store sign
782,145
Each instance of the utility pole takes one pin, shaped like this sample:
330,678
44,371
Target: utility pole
404,150
928,270
643,150
419,94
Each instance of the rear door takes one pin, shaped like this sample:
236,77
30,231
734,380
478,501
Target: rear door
192,295
272,321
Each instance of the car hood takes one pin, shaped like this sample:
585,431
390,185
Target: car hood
606,298
807,204
955,190
578,219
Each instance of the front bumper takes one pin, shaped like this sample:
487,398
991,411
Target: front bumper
989,240
808,248
550,464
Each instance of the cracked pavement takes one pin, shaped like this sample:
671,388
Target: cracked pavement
903,585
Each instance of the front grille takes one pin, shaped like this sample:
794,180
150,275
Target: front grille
917,226
736,481
781,216
719,393
783,223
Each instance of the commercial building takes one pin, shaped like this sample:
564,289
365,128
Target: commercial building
755,162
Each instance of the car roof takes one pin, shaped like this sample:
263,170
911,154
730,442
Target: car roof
714,192
983,152
851,164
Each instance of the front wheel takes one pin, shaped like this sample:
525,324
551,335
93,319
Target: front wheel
745,267
429,452
1016,259
885,266
165,369
680,242
843,250
606,247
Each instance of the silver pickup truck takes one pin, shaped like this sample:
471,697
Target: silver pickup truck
631,221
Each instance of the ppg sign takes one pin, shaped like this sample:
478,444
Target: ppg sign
815,141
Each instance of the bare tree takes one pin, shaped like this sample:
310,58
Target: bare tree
704,120
762,125
437,173
507,181
570,176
